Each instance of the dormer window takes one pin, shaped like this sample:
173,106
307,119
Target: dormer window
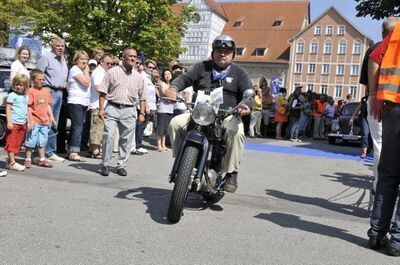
259,51
237,24
239,51
277,23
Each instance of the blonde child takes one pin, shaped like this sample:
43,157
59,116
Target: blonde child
16,112
40,117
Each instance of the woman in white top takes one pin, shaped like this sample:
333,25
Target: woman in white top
78,100
19,65
165,111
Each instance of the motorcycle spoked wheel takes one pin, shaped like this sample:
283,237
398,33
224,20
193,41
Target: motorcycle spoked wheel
182,181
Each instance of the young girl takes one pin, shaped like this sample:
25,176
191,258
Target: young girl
17,113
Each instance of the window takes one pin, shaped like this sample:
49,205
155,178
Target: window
328,47
341,30
277,23
311,68
296,85
300,47
329,30
298,68
259,52
237,24
324,89
310,87
317,30
357,47
342,47
353,91
239,51
325,69
355,68
314,47
338,91
340,69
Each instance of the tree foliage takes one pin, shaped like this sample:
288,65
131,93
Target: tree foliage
377,9
148,25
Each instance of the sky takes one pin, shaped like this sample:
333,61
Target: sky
371,28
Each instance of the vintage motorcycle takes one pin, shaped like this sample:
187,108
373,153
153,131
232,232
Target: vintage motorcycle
198,164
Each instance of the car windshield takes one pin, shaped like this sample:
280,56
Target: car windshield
349,108
5,83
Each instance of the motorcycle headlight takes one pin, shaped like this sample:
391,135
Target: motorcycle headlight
203,114
335,126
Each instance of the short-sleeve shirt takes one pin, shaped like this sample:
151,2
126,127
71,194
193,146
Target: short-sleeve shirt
377,54
151,92
364,66
19,109
18,68
39,101
124,87
96,80
77,93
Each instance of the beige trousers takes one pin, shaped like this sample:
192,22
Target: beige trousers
233,137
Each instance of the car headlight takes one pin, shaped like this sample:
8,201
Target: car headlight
335,126
203,114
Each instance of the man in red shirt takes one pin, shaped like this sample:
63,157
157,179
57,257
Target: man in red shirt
389,168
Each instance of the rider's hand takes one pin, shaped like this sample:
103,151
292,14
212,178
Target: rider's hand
243,110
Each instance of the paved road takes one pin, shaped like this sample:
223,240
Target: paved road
297,203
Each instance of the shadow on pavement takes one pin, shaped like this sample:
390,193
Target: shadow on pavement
156,201
293,221
349,209
88,166
352,180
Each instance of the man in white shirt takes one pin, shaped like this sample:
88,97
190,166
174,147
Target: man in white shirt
96,124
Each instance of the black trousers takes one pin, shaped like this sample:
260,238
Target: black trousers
387,189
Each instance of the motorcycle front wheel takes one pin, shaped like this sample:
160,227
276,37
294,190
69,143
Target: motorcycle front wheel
182,181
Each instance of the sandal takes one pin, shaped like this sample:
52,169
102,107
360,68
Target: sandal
75,158
95,155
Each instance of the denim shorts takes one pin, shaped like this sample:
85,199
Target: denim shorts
37,136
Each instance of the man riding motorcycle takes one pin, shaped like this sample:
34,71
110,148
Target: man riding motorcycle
219,71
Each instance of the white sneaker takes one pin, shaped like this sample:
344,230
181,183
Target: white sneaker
142,150
56,158
16,167
3,173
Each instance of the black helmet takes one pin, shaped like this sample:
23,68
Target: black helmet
224,42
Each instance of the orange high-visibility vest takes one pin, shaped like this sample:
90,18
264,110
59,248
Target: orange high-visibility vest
389,75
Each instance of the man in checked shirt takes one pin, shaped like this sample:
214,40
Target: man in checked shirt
123,88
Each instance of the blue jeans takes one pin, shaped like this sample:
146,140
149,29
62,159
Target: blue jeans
140,130
77,114
365,136
294,127
387,189
56,96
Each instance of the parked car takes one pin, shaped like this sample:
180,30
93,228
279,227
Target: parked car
341,128
5,85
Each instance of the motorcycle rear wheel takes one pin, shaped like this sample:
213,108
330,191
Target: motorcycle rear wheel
182,181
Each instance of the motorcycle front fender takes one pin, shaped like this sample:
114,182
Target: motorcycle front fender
195,138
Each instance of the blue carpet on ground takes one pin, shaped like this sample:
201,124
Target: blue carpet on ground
299,150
